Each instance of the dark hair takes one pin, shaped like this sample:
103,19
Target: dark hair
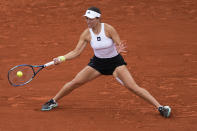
95,9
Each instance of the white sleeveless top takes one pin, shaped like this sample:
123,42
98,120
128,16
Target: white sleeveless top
102,45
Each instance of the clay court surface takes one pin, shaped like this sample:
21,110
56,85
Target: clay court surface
161,37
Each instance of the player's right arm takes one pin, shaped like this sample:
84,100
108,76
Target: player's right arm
83,40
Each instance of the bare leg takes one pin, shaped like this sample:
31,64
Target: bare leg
85,75
123,74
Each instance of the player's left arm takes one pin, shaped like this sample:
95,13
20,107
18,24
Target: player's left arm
113,34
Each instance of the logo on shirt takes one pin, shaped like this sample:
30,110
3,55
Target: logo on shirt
98,38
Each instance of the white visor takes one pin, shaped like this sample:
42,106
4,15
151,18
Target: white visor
92,14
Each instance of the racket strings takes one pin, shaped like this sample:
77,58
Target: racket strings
27,74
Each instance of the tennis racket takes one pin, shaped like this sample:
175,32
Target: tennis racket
28,72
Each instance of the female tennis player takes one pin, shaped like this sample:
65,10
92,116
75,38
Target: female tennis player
107,60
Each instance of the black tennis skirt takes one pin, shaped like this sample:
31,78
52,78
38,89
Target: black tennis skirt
106,66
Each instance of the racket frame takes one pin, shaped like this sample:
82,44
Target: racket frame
34,73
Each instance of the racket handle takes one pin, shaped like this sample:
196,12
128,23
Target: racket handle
49,64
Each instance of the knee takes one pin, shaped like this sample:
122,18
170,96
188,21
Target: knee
77,83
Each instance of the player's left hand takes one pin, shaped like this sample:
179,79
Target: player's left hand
121,48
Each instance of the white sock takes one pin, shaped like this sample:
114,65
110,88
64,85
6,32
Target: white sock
119,81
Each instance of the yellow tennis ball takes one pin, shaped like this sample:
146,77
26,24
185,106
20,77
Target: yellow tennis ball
19,73
62,58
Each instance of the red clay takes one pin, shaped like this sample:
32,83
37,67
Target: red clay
162,56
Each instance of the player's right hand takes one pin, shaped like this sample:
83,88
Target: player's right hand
57,61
